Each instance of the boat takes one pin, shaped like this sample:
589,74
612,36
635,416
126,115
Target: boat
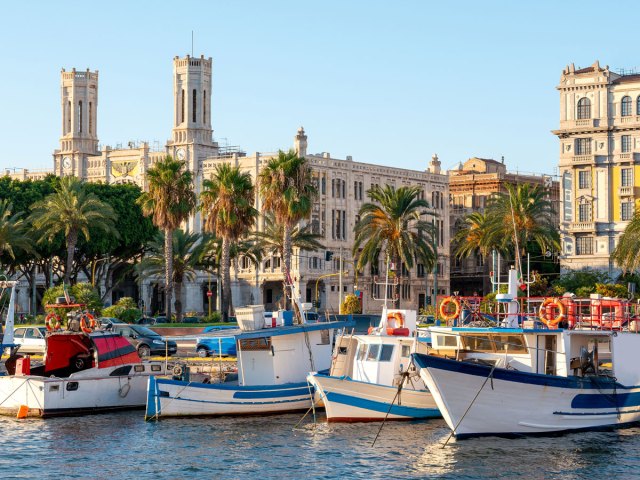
554,368
372,377
84,371
272,367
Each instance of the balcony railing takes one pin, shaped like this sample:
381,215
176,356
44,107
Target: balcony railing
626,191
583,159
583,227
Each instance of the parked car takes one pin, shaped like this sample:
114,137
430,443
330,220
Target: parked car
146,321
191,319
31,339
222,345
161,319
146,341
106,322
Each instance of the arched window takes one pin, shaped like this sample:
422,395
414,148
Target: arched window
584,108
90,117
68,117
194,106
625,106
638,105
182,107
80,116
204,107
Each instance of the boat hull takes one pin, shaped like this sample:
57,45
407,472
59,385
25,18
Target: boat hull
347,400
175,398
477,400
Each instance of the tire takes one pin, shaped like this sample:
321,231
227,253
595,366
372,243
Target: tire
144,351
202,352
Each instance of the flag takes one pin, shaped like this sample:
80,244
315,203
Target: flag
66,293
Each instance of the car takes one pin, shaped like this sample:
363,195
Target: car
146,341
146,321
106,322
191,319
217,345
161,319
31,339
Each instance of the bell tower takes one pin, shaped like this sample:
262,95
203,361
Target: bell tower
79,139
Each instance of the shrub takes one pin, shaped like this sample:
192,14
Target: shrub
127,315
215,317
351,304
127,302
83,293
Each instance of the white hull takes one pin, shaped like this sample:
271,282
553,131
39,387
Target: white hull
173,398
347,400
523,403
88,391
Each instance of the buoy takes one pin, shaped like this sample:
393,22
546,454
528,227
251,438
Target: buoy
23,411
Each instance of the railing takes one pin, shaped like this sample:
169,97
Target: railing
583,226
626,191
583,159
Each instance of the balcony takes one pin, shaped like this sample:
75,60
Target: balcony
626,191
582,227
590,159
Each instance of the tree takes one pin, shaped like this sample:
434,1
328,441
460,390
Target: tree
626,252
72,211
187,251
393,225
477,234
271,239
227,203
287,190
13,235
83,293
169,201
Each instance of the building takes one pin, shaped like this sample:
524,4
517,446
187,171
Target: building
470,186
599,150
342,186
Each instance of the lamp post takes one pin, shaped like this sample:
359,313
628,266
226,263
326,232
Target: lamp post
93,270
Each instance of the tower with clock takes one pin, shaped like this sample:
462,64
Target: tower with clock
79,139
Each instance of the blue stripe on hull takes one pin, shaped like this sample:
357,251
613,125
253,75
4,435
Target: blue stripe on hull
383,407
222,386
606,400
274,401
270,393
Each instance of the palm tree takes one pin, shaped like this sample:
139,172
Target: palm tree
626,252
271,239
393,226
477,234
227,203
187,252
72,211
287,191
13,235
522,214
169,201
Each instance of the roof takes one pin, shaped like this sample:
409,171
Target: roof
305,327
627,78
585,70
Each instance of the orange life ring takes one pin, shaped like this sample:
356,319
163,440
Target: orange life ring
542,314
87,317
443,308
52,322
398,317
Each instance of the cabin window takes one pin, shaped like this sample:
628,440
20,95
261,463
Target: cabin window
255,344
342,350
72,386
156,368
513,343
447,341
374,350
139,368
362,352
118,372
386,353
54,388
406,351
477,343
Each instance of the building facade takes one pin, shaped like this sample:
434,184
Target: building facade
470,186
599,170
342,185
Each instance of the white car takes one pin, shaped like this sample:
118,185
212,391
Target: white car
30,339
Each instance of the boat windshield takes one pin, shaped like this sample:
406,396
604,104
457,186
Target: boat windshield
492,342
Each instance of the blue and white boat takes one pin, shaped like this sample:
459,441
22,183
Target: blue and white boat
371,376
272,366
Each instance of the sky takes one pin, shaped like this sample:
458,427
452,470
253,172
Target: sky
389,83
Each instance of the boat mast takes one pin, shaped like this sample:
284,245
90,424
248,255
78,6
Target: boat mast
7,340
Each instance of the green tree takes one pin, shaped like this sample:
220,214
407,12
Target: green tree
13,235
187,252
169,201
287,190
227,204
393,225
271,239
625,254
72,211
475,235
83,293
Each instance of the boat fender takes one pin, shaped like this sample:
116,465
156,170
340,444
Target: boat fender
124,390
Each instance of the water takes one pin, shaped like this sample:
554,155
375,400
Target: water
122,445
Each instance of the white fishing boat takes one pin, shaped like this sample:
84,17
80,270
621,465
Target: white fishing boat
272,367
371,376
540,379
83,372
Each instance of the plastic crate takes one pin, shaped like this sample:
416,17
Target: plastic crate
250,317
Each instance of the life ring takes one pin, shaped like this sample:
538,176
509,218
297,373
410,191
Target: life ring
443,308
554,321
52,322
90,319
398,317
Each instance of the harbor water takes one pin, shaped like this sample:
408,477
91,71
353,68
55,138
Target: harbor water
123,445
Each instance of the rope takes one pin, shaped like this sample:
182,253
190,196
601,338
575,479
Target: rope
404,375
453,430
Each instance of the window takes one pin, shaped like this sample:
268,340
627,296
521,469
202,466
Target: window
269,295
374,350
584,212
584,245
386,353
638,105
68,117
323,185
420,270
193,116
80,116
32,333
583,146
626,177
204,107
479,261
406,291
513,343
584,179
626,212
406,351
182,107
90,117
477,343
121,371
362,351
626,143
584,109
625,106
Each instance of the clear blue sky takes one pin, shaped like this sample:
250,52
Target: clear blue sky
386,82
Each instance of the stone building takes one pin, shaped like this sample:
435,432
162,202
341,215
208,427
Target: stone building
342,186
470,186
599,143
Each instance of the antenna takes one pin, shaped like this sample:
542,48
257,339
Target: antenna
191,43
